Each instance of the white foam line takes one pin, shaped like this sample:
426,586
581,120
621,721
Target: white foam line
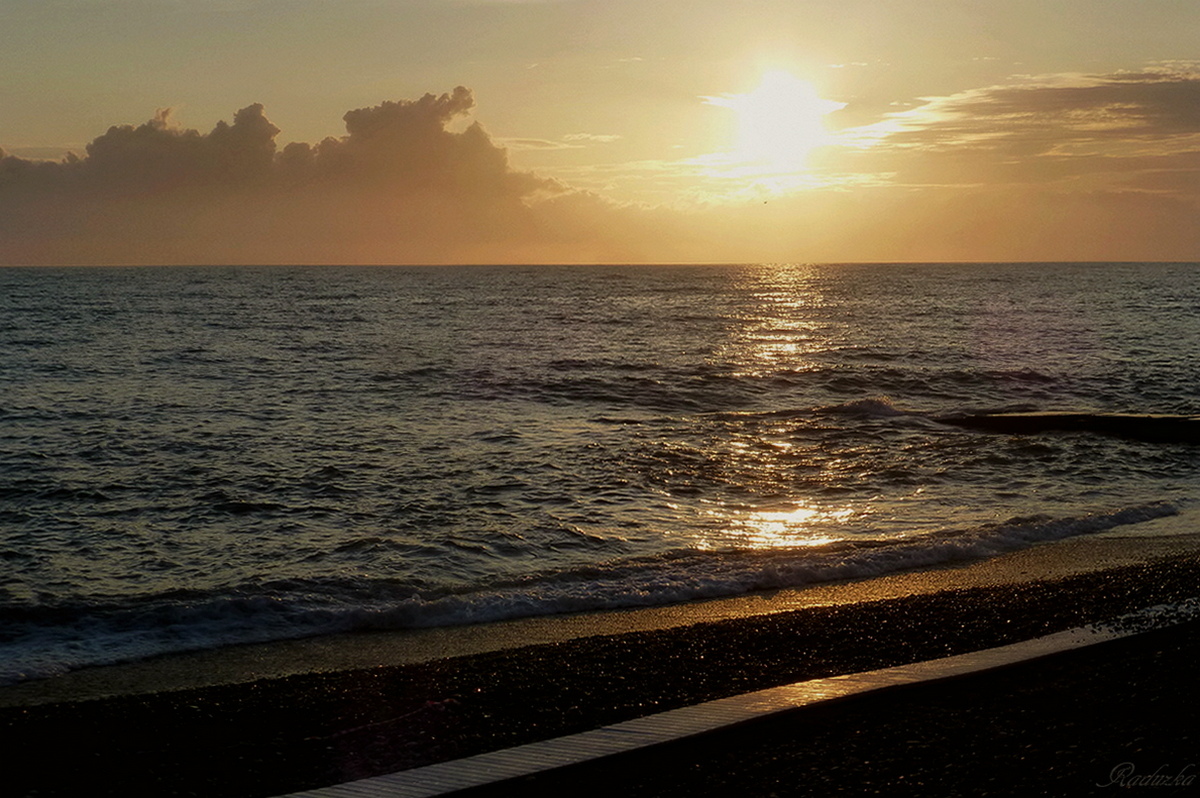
677,724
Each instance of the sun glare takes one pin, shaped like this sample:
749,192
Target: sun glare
778,123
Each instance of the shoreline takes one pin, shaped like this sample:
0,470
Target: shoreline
273,736
1162,537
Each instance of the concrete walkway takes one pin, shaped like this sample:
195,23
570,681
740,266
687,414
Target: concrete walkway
495,768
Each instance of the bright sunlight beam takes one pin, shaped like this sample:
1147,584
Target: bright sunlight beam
779,123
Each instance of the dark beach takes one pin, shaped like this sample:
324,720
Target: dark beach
1025,727
1110,718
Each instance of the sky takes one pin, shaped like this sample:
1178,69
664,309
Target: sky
496,131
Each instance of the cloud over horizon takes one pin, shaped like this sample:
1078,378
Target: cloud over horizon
1086,167
399,187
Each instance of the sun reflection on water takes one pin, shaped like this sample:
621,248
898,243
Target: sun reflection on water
793,526
777,333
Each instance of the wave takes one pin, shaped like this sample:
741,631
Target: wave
39,642
701,387
875,407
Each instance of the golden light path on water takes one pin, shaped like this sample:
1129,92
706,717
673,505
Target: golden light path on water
778,336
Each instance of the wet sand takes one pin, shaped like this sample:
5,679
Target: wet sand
282,718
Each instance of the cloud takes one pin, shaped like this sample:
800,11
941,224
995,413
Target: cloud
571,141
535,144
160,155
398,187
1125,131
1049,113
42,153
600,138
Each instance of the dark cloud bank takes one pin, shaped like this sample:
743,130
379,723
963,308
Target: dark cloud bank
399,187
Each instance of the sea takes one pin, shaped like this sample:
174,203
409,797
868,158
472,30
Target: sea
194,458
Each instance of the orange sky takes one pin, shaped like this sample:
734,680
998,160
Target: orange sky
585,131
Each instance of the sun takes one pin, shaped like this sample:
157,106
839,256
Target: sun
778,123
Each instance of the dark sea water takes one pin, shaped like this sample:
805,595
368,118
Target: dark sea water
198,457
